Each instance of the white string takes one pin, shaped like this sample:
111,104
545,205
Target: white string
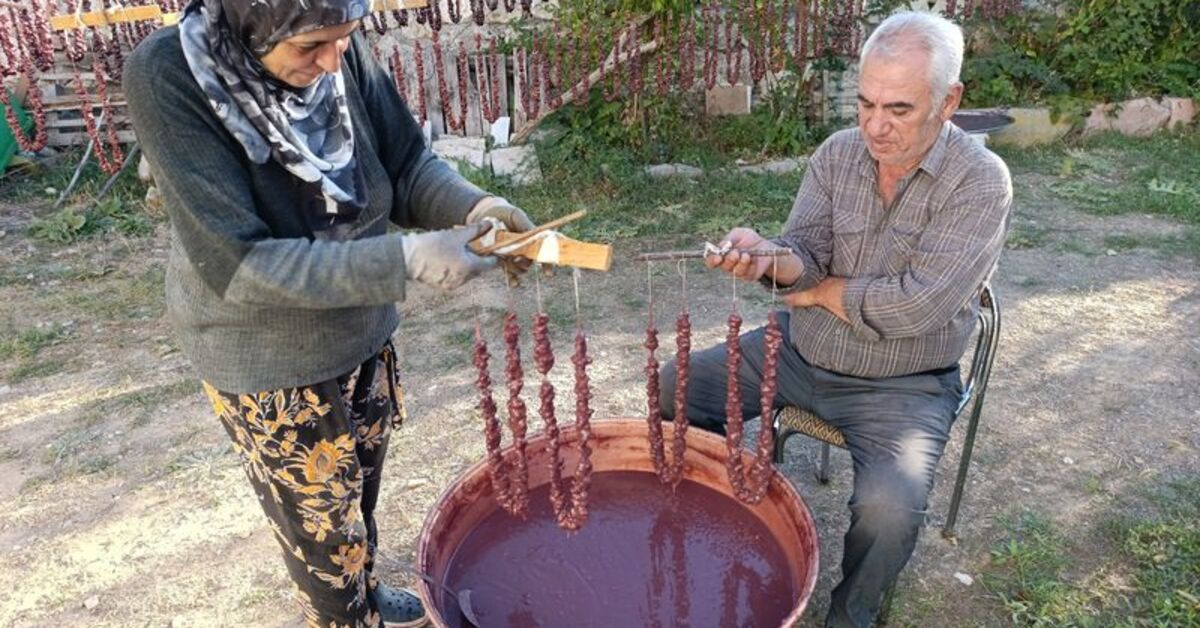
774,282
650,293
537,285
575,278
735,297
681,268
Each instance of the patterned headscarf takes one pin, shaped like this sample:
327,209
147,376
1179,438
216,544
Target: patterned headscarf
306,130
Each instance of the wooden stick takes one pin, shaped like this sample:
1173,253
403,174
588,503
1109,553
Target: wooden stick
566,251
667,256
133,153
553,224
79,169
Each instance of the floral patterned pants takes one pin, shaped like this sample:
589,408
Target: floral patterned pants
314,455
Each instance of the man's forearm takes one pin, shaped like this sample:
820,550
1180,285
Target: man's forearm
828,294
785,270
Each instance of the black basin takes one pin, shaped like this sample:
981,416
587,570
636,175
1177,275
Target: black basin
981,120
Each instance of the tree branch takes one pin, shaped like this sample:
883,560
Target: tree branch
568,96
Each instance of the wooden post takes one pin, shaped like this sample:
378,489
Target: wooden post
502,68
518,116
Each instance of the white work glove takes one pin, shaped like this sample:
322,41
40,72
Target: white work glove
441,258
514,220
499,208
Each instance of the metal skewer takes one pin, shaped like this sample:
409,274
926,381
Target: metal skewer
679,255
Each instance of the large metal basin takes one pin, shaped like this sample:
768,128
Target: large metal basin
664,567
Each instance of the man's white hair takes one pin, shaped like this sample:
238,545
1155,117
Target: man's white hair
939,38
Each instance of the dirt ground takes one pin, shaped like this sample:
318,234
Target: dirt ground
124,505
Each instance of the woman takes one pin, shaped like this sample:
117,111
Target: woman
282,151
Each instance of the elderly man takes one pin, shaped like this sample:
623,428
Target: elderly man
894,231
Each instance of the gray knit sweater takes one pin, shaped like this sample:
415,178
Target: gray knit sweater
257,299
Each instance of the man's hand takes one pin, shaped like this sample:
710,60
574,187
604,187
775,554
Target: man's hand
827,294
740,264
784,270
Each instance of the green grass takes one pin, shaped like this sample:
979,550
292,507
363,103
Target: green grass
8,453
31,186
119,298
26,347
140,407
623,202
1122,242
1023,236
1109,175
27,344
34,370
1131,570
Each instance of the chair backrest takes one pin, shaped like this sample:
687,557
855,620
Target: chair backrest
985,348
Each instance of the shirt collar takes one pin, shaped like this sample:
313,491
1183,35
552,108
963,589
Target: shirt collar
931,163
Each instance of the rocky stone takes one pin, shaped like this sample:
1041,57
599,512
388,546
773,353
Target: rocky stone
520,163
1142,117
1183,111
144,173
469,150
966,579
674,170
1099,119
1031,126
727,100
153,197
779,166
499,130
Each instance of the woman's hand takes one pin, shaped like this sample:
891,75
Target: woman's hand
499,208
442,259
514,220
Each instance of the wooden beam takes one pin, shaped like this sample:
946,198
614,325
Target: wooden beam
101,18
153,12
561,251
388,5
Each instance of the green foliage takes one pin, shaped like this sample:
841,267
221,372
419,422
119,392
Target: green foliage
111,215
583,172
675,127
1092,49
1113,49
652,128
62,227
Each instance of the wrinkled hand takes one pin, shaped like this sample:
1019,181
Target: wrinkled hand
441,258
514,220
742,265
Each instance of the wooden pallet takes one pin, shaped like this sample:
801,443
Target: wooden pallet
155,13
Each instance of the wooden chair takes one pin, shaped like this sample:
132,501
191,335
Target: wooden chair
792,420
